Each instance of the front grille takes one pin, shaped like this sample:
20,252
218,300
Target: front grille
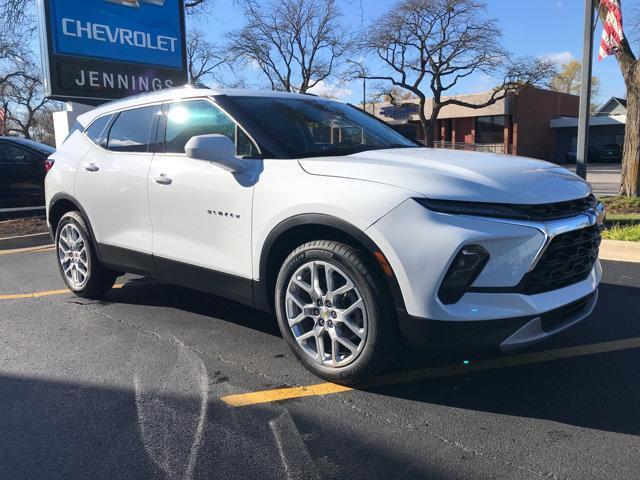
555,211
568,259
555,318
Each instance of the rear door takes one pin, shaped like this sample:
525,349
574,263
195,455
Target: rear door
21,176
111,185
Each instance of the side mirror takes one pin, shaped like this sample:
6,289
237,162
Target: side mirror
217,149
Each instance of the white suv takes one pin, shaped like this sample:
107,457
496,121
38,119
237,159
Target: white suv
353,235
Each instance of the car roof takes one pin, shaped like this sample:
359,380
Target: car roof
180,93
30,144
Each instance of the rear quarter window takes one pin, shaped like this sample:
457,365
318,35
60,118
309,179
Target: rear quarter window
96,131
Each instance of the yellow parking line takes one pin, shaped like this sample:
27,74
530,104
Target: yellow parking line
47,293
279,394
42,248
266,396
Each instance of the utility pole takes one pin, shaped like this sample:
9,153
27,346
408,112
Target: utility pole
582,151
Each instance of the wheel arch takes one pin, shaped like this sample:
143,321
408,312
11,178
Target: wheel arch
300,229
62,203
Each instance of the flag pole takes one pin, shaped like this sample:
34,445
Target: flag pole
582,151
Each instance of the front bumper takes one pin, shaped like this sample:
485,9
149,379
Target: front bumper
420,246
494,311
506,333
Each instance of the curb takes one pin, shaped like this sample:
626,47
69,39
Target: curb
42,248
620,251
25,241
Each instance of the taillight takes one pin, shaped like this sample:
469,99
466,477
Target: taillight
48,164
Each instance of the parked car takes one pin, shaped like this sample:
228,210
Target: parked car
354,236
611,152
23,166
571,155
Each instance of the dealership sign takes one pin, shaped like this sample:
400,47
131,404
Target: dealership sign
107,49
398,112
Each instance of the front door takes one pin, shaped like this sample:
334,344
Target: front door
201,214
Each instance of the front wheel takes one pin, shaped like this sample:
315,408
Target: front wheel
78,263
334,315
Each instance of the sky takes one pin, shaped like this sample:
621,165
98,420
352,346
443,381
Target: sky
541,28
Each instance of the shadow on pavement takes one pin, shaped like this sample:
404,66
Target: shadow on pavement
64,430
147,292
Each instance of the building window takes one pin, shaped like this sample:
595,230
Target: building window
490,129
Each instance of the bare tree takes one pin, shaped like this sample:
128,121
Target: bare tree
630,68
295,44
204,59
432,45
24,103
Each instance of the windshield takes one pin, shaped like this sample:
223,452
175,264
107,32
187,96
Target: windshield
319,127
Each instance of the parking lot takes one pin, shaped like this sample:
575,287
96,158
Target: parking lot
163,382
603,177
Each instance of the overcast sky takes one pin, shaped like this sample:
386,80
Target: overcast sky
551,28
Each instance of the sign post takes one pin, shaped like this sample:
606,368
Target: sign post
99,50
582,151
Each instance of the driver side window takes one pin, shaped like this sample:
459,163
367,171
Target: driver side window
189,119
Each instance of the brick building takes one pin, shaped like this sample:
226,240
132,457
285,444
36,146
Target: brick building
519,124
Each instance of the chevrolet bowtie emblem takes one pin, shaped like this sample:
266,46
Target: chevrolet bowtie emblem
136,3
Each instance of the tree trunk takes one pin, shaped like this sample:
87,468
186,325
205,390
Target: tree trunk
630,182
433,123
428,137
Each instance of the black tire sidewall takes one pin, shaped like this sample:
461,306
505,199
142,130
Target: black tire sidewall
364,365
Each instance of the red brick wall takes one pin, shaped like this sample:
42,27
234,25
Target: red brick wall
534,109
464,130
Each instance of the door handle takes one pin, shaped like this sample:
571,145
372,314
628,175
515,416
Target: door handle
91,167
163,179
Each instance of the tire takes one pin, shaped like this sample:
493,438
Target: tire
363,316
77,260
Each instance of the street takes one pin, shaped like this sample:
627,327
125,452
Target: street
166,383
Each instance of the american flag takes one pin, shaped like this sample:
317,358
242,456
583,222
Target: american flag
612,34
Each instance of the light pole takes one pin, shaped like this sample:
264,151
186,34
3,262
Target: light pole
363,75
582,150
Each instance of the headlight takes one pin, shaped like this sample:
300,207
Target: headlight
472,208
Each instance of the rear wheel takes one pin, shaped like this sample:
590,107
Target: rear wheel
333,313
78,263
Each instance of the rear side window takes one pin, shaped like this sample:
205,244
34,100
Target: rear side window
132,130
188,119
96,132
13,154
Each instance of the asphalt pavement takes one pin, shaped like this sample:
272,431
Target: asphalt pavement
161,382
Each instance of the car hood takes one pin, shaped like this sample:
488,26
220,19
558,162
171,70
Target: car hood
457,175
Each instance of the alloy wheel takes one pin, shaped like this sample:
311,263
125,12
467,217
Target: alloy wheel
73,256
326,314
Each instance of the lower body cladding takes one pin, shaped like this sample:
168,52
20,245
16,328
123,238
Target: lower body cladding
539,278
